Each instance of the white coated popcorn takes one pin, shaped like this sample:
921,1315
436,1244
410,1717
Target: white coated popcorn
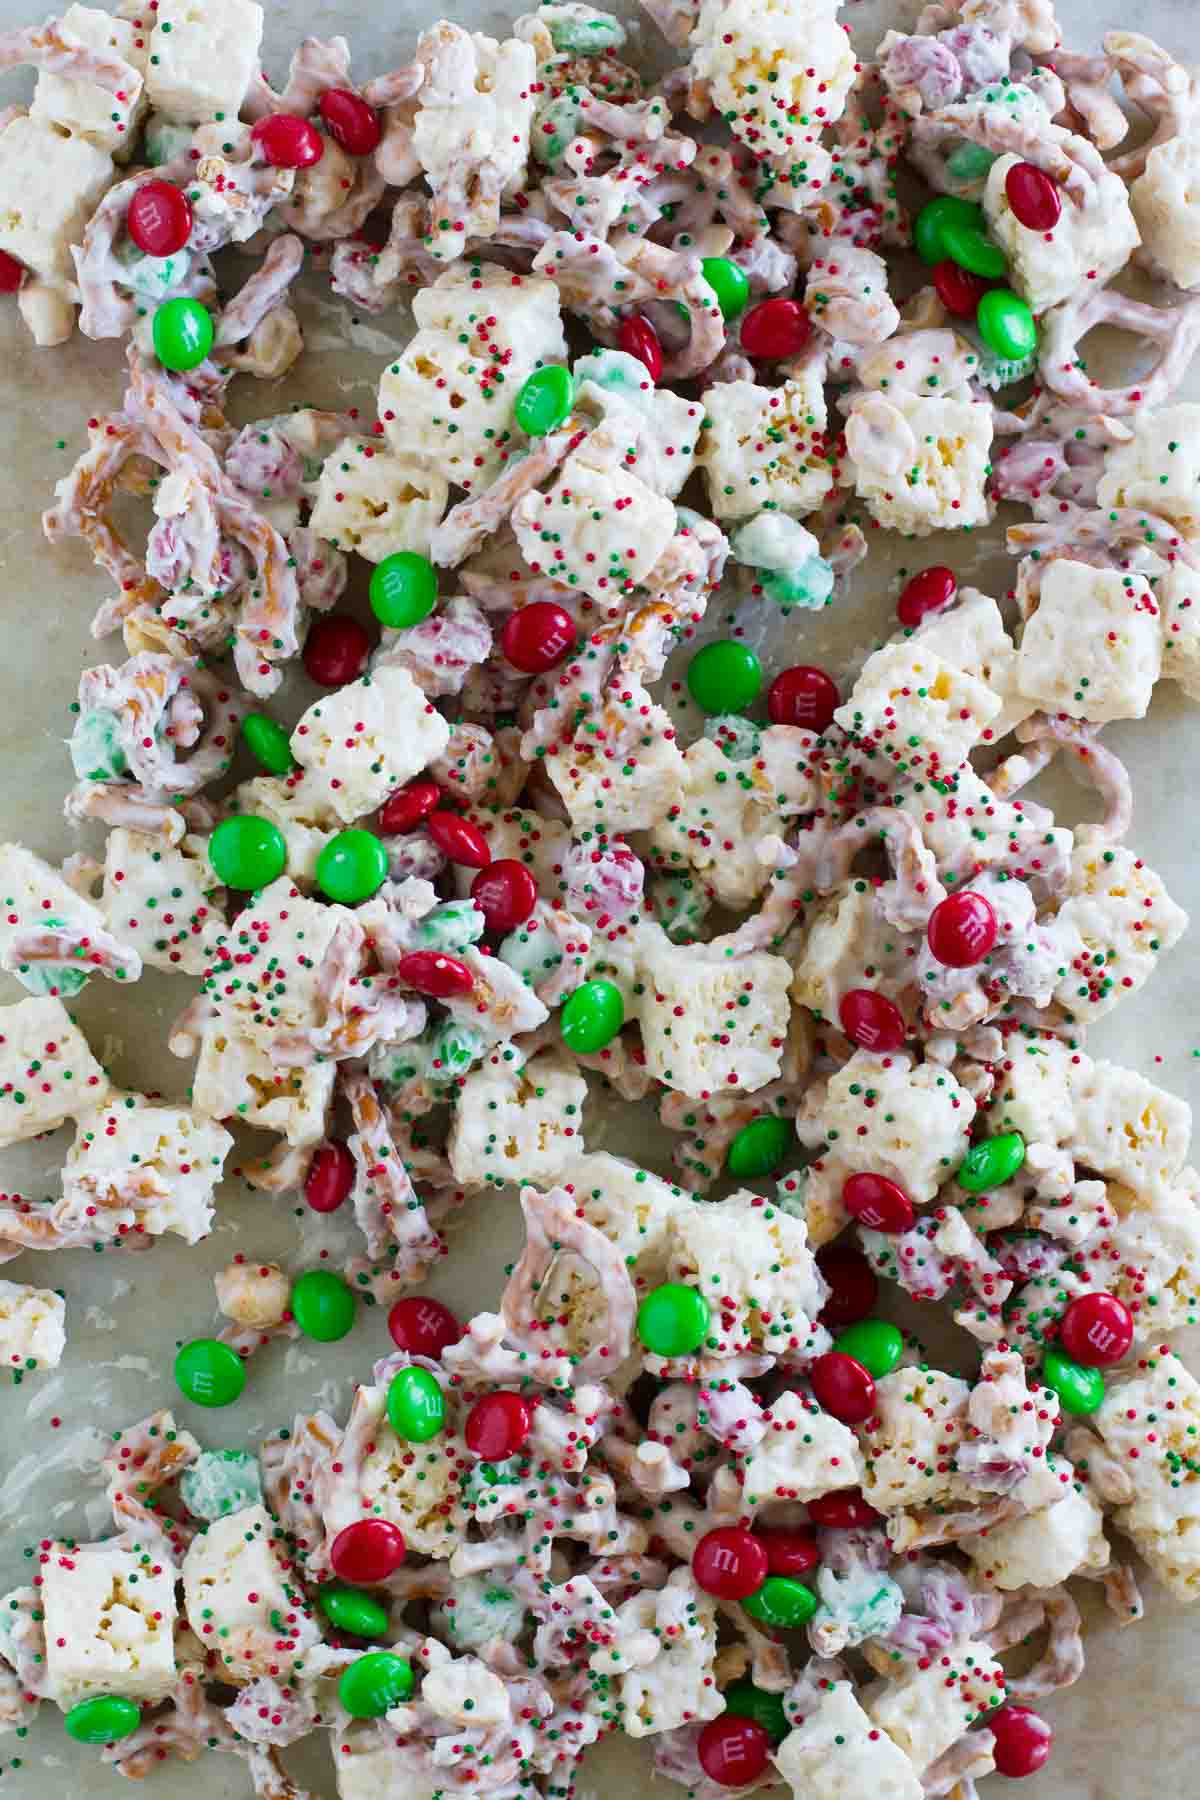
599,527
1163,201
367,738
631,1206
752,1263
299,806
1127,1128
31,1327
235,1075
618,388
699,1037
1037,1096
50,185
1152,1254
738,46
880,1114
163,1162
909,1444
237,1589
1093,648
1125,918
376,501
906,692
805,1453
109,1621
765,447
670,1638
162,899
47,1072
1153,1408
203,57
1045,1547
471,132
1086,247
516,1123
836,1753
84,108
921,464
925,1710
1158,471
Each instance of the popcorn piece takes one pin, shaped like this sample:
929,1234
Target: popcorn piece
622,770
1163,202
1085,249
599,528
753,1265
235,1074
617,387
253,1294
926,1710
34,897
377,502
880,1114
765,447
514,1123
109,1622
203,57
1038,1096
1151,1256
50,185
299,805
1125,918
367,738
1093,648
629,1205
161,1161
805,1453
906,692
771,66
83,108
909,1445
163,899
1045,1547
47,1072
31,1327
836,1753
921,464
671,1638
1149,1419
711,1023
235,1577
1158,471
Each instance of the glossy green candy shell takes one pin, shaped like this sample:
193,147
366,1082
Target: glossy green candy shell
782,1602
403,589
416,1408
267,742
545,401
759,1148
991,1162
1079,1390
971,248
969,162
247,852
104,1719
323,1306
183,334
724,677
349,1609
874,1343
209,1372
729,283
673,1320
352,866
932,220
1006,324
746,1701
374,1683
592,1016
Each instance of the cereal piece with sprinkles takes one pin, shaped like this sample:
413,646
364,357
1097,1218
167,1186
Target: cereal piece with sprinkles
848,941
517,1122
235,1078
52,937
109,1619
369,737
765,447
909,1444
1128,1129
50,185
666,1648
241,1598
668,426
1149,1420
203,58
414,1486
971,636
1158,470
629,1205
521,834
711,1022
1047,1546
805,1453
47,1072
299,806
752,1263
162,899
836,1753
918,709
1178,594
268,977
1150,1258
921,464
929,1707
1088,245
1092,646
376,501
84,108
617,767
1126,920
32,1331
471,130
1163,202
154,1163
886,1116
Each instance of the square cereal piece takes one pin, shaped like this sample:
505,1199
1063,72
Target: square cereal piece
109,1621
912,703
612,384
771,66
236,1077
1093,648
711,1023
367,738
47,1072
203,57
162,899
765,447
471,129
1158,471
629,1205
1152,1409
34,897
1163,202
518,834
599,529
521,313
1127,1129
1036,1093
909,1444
970,635
237,1586
670,1681
414,1486
162,1161
920,464
1085,249
1046,1547
752,1263
880,1114
837,1754
266,976
846,933
50,185
31,1327
299,806
516,1124
622,770
84,108
376,501
1126,919
805,1453
366,1768
925,1710
1155,1254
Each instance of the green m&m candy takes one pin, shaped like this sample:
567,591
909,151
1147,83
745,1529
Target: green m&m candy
729,283
103,1719
673,1319
968,244
267,742
1079,1389
746,1701
349,1609
724,677
416,1408
932,220
352,866
374,1683
183,334
782,1602
874,1343
991,1162
247,852
1006,324
209,1372
545,400
592,1016
323,1306
969,162
403,589
759,1147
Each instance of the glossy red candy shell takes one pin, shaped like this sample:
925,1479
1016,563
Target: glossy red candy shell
288,142
842,1510
368,1551
926,593
505,893
791,1551
774,329
958,290
459,840
407,807
1023,1740
803,695
733,1750
1033,196
870,1020
330,1177
498,1425
843,1387
350,121
12,273
422,1326
1096,1330
854,1285
877,1203
336,650
729,1562
536,637
159,219
434,973
637,337
962,930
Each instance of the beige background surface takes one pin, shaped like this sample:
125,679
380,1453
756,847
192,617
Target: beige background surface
1129,1729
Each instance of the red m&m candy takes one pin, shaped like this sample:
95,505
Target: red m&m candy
458,839
336,650
12,273
505,893
408,806
791,1551
537,637
958,290
774,329
853,1284
802,695
349,121
929,592
842,1511
330,1177
729,1562
870,1020
432,972
877,1203
1023,1740
288,142
368,1551
498,1425
1096,1330
962,929
733,1750
637,337
422,1326
1033,196
843,1387
159,219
